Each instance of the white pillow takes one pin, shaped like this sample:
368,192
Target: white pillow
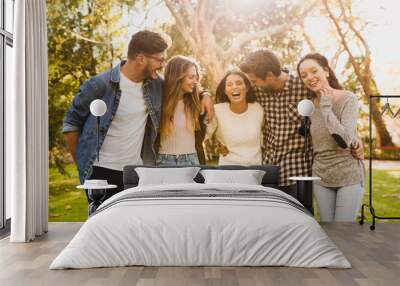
248,177
165,176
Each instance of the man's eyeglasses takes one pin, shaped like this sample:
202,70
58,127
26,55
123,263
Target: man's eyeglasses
161,61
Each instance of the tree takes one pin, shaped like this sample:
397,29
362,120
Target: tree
232,37
218,32
349,30
84,39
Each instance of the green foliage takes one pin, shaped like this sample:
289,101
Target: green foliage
66,202
380,154
385,193
85,37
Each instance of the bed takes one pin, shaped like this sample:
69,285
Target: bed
201,224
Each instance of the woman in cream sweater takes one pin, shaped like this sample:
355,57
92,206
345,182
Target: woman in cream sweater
238,121
333,130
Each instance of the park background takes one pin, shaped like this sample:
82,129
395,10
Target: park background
359,37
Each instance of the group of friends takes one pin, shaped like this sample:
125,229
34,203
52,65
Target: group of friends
166,120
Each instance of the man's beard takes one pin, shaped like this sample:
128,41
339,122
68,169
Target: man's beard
147,72
268,89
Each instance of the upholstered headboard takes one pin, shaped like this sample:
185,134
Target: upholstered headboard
270,179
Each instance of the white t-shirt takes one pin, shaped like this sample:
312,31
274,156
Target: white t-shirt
241,133
124,139
182,139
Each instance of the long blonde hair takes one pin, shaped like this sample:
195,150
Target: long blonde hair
175,71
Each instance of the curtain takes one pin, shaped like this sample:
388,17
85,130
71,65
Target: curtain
27,124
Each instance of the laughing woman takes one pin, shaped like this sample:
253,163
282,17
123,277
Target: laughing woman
181,131
237,122
333,131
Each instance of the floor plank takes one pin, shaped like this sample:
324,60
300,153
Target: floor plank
374,255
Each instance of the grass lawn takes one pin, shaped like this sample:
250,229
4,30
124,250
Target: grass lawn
385,192
66,203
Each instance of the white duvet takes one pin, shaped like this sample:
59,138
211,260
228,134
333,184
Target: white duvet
183,231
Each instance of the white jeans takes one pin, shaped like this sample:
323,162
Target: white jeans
338,204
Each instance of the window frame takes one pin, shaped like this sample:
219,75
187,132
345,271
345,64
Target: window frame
6,39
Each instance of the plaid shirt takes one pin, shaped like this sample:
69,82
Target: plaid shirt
282,143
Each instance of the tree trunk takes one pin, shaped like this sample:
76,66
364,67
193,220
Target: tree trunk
383,137
93,62
363,73
197,26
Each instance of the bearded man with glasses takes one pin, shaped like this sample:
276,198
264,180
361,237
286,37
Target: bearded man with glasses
132,91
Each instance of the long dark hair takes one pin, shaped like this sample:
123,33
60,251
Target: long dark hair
220,92
323,62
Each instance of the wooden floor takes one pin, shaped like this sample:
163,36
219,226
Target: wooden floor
375,256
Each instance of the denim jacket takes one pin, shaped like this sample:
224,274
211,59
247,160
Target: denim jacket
106,87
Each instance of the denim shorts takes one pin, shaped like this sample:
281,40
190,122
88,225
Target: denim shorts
178,160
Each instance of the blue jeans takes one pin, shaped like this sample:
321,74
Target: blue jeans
178,160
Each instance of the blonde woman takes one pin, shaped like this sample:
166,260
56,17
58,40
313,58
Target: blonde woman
181,132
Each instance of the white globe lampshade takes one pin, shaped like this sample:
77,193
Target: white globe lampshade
98,107
305,107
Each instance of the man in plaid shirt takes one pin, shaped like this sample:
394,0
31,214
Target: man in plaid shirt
279,92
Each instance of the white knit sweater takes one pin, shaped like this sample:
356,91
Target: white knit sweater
241,133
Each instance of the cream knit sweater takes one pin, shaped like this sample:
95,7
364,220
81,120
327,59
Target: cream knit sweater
240,133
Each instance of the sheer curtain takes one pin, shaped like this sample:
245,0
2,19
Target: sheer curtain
27,124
